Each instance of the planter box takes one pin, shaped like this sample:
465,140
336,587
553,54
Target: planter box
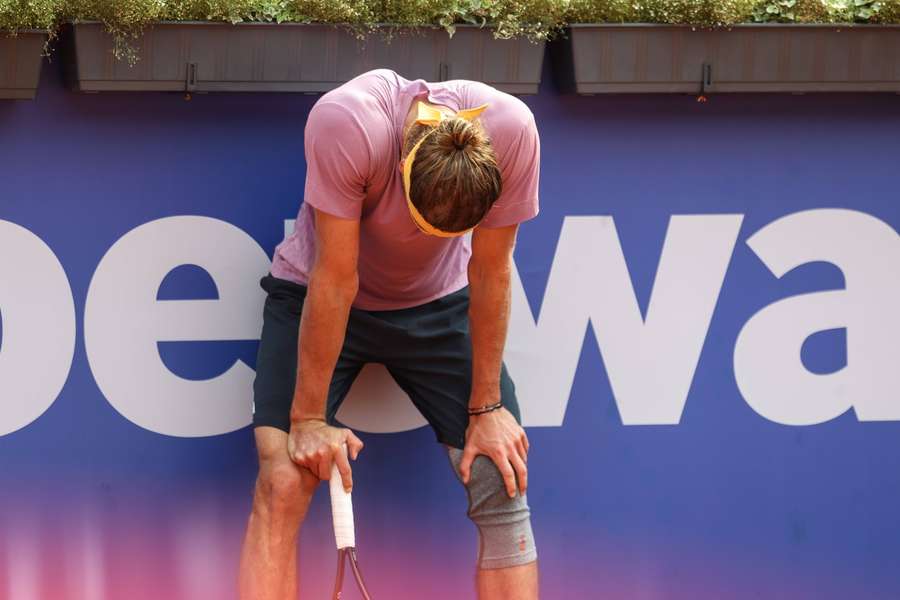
596,59
20,63
291,57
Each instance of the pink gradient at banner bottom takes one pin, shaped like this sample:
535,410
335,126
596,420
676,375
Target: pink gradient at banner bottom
137,545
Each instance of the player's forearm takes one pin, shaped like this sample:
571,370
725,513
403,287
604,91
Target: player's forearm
489,302
323,325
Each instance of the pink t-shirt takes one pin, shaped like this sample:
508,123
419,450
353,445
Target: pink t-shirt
352,145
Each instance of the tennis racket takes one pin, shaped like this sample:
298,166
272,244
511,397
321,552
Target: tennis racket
344,535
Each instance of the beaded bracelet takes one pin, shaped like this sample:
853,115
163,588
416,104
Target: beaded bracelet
485,409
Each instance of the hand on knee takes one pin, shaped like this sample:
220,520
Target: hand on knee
504,523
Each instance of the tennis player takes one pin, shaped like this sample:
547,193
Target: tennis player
380,269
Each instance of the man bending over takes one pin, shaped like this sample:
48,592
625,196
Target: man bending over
380,269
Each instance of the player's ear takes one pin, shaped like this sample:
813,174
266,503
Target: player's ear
400,165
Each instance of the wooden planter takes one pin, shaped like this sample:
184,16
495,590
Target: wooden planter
597,59
20,63
265,57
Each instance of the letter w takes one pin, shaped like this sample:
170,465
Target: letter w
650,363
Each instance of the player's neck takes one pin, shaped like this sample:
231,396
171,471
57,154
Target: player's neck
411,117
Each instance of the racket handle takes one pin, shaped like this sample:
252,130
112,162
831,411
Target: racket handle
341,511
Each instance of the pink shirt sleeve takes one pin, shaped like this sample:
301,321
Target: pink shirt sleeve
518,200
337,161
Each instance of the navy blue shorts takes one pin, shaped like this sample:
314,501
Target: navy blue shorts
426,349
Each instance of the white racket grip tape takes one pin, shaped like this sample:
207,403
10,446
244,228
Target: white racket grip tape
341,511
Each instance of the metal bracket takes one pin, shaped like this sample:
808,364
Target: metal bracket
444,72
706,79
190,80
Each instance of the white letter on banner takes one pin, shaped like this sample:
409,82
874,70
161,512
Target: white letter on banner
38,315
650,364
767,364
123,321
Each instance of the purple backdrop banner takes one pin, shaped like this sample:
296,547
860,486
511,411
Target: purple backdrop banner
704,339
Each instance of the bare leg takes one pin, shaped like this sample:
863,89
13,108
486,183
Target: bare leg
512,583
268,568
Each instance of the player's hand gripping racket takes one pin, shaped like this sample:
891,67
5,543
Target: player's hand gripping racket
344,534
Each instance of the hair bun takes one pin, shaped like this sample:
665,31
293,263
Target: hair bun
460,134
462,137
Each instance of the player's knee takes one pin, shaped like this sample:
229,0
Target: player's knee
504,523
285,488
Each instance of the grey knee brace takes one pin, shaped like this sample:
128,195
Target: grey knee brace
504,524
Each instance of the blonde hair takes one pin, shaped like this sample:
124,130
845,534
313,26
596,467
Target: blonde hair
455,178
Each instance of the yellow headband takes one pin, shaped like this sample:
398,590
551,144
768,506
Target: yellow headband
427,115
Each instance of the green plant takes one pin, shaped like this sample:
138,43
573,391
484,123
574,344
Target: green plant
126,19
855,11
136,14
711,13
889,13
516,17
704,13
828,11
780,11
533,19
16,15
